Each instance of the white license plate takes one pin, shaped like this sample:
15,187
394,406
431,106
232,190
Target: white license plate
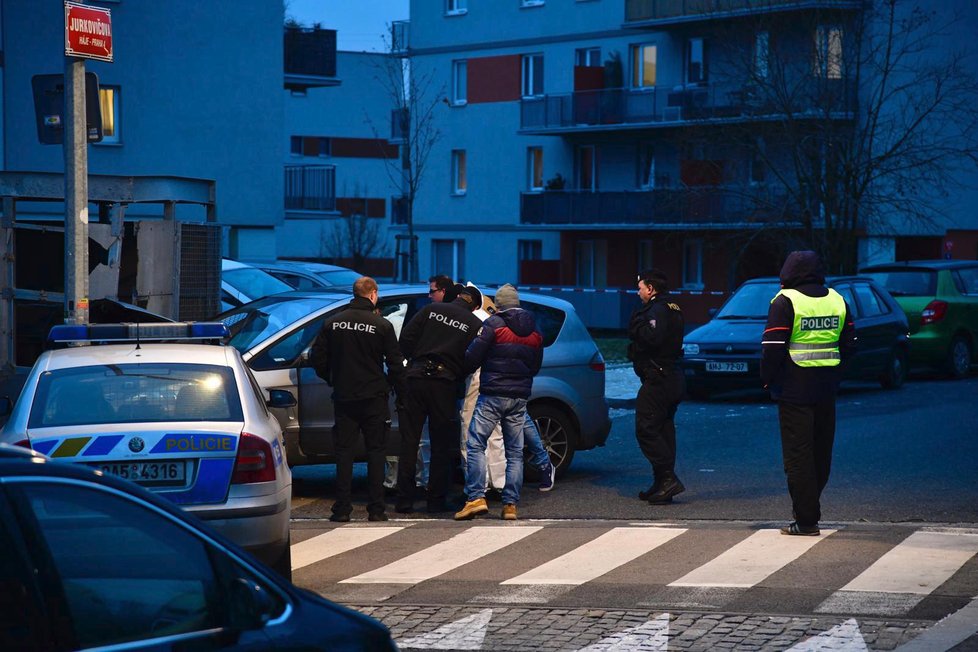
727,367
164,473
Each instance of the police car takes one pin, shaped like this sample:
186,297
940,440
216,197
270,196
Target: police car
170,408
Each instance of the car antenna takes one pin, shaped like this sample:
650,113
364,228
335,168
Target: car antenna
137,336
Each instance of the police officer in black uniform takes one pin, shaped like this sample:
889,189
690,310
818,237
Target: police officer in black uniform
434,342
656,332
349,353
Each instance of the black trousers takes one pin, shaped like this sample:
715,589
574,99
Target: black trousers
434,399
368,416
807,435
655,427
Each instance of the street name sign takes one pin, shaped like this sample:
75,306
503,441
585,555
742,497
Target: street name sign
88,32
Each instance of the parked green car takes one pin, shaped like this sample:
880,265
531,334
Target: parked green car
940,298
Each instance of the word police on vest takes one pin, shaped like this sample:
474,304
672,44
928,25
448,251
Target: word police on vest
454,323
354,326
819,323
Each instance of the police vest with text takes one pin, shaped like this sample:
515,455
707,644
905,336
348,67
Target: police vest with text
817,328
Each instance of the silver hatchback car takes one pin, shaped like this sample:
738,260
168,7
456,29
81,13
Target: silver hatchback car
275,334
184,419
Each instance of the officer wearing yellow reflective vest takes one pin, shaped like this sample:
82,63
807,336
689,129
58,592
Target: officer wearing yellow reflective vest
808,338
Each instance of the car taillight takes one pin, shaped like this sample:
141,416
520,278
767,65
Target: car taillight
934,312
26,443
597,362
254,462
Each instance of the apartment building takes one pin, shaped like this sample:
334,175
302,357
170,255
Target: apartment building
592,138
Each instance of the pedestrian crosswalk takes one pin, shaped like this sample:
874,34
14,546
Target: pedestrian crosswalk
852,569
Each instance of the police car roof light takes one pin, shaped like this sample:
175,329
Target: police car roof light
131,332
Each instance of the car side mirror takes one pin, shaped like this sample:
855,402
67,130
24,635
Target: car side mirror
251,605
712,312
6,406
304,357
280,398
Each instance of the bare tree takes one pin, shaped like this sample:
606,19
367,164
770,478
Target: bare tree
414,97
860,119
356,236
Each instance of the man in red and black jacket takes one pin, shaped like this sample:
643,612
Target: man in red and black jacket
808,338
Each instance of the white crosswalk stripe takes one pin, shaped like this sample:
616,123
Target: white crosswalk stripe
751,561
336,542
599,556
443,557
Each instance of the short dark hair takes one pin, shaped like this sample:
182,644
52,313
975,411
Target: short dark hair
656,279
441,282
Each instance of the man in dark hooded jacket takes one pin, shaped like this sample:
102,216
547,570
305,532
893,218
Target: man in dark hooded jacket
808,337
509,349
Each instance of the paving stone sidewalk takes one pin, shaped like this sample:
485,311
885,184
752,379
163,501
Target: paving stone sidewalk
537,628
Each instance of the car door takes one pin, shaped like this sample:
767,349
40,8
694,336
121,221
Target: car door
876,328
966,280
123,572
845,289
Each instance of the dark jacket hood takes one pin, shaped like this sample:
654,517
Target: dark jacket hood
802,268
519,321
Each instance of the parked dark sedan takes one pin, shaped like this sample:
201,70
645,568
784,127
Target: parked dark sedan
725,353
93,561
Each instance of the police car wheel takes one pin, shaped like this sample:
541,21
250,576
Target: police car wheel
559,434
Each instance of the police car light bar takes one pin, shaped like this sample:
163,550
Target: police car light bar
132,332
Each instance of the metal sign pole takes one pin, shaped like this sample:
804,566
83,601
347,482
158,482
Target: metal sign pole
76,194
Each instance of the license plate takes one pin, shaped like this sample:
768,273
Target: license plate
727,367
164,473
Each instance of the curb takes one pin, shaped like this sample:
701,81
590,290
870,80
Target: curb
620,402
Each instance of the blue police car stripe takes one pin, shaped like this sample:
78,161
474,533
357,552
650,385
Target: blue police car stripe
44,447
195,443
102,445
213,480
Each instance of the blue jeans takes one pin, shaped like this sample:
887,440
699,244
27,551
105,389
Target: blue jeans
510,413
539,457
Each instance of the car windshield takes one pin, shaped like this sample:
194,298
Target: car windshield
124,393
750,301
906,282
344,277
253,282
261,319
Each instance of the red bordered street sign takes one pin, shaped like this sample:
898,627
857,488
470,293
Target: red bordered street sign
88,32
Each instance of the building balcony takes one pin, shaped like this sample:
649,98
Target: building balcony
400,37
653,13
704,207
310,58
615,109
310,188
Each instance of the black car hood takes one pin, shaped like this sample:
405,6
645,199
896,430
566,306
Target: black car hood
727,331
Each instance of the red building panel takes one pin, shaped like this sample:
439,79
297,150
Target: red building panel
362,148
369,206
494,79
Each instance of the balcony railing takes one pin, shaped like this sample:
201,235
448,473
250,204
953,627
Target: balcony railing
688,206
400,36
652,12
603,109
310,57
310,187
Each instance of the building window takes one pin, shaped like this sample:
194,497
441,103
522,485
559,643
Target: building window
529,249
324,147
295,145
588,57
592,263
532,75
459,180
108,99
456,7
828,52
696,61
586,163
310,146
460,75
534,167
448,257
758,166
693,264
644,255
761,55
643,66
646,166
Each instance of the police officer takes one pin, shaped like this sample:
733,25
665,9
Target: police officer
809,334
656,332
434,341
349,354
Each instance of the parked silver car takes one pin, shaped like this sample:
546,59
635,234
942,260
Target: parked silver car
184,419
311,276
274,335
241,283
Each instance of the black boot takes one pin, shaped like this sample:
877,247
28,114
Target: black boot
669,487
647,493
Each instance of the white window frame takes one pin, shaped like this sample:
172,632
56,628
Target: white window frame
456,7
828,52
460,76
762,54
638,65
460,182
534,168
457,270
588,57
115,119
531,82
693,264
